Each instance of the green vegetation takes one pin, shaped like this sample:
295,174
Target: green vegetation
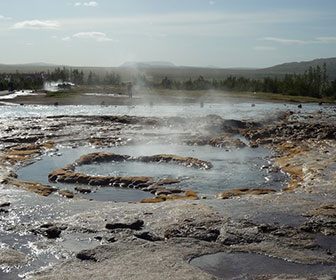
311,85
21,81
63,93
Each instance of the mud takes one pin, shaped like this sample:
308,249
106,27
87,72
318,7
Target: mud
158,240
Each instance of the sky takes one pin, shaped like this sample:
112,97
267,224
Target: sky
216,33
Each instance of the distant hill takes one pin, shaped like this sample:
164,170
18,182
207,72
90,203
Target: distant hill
160,69
148,64
37,64
300,67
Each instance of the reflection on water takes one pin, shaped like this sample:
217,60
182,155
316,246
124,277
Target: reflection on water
239,265
226,110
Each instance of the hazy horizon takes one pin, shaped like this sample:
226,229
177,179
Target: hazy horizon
202,33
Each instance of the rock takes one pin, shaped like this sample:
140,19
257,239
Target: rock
148,236
185,161
253,144
100,157
153,200
162,191
135,225
244,191
4,204
201,231
10,257
32,186
322,219
53,232
83,190
189,195
86,255
49,230
99,180
176,190
66,193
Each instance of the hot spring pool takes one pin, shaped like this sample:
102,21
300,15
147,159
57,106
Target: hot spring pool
238,168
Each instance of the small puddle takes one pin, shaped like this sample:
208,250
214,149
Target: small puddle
326,242
241,265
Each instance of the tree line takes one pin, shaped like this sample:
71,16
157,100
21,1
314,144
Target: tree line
21,81
35,81
77,77
313,82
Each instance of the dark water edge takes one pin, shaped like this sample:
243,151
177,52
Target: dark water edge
239,266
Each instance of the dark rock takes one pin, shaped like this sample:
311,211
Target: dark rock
87,255
148,236
162,191
136,225
100,181
5,204
49,230
53,232
206,231
176,190
83,190
111,239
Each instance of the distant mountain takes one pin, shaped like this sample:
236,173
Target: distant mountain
160,69
38,64
33,64
300,67
149,64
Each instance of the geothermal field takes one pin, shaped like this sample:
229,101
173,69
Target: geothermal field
188,190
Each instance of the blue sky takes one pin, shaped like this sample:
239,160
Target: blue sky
222,33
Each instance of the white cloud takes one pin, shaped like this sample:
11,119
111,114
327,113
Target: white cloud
326,39
4,18
66,38
97,36
36,24
86,4
90,4
284,41
264,48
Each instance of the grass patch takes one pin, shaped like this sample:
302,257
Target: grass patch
62,93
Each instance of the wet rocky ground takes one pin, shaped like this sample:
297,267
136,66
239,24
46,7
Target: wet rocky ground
159,238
